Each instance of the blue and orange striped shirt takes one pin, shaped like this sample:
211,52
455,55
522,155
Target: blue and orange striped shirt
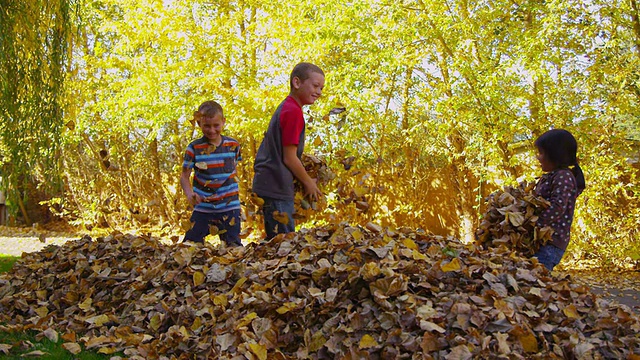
215,173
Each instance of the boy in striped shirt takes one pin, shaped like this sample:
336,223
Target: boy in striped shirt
214,190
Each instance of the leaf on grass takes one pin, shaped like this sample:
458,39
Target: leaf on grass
51,335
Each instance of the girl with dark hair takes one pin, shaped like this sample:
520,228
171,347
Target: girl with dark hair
561,184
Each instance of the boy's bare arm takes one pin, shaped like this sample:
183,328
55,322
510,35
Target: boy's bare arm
185,182
295,165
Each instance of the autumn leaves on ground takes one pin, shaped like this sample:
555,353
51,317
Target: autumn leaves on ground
336,291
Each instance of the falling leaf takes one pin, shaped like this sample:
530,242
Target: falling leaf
201,165
257,200
337,110
281,217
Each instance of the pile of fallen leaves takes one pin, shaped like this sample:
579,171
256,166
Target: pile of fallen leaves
332,292
510,220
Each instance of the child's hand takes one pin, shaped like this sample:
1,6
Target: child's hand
194,199
312,191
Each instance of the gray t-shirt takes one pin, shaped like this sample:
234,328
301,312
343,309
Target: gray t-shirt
272,177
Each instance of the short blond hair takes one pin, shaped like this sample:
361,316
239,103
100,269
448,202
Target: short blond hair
208,108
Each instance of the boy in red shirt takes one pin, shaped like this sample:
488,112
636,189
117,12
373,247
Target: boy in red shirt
277,162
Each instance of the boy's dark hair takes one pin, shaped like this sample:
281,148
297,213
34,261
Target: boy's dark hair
303,71
560,148
208,109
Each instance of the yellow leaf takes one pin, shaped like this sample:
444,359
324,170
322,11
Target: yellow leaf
317,341
258,350
317,141
238,284
86,305
529,342
416,255
220,300
305,254
213,230
42,311
410,244
257,200
232,222
367,341
155,322
360,191
246,320
107,350
197,323
98,320
198,278
286,308
571,312
453,265
357,235
281,217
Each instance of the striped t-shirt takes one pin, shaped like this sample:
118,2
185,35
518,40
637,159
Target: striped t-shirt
215,173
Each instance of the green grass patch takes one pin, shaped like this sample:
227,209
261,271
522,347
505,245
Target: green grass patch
6,262
26,345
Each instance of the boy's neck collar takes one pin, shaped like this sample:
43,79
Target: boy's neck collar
208,141
297,100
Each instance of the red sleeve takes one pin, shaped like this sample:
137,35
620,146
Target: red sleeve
291,125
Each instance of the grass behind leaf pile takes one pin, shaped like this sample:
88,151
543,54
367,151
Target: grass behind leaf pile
6,262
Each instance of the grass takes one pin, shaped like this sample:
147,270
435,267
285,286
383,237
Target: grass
23,344
16,345
6,262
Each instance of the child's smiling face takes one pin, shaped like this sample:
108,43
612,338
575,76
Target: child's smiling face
544,162
212,127
310,89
